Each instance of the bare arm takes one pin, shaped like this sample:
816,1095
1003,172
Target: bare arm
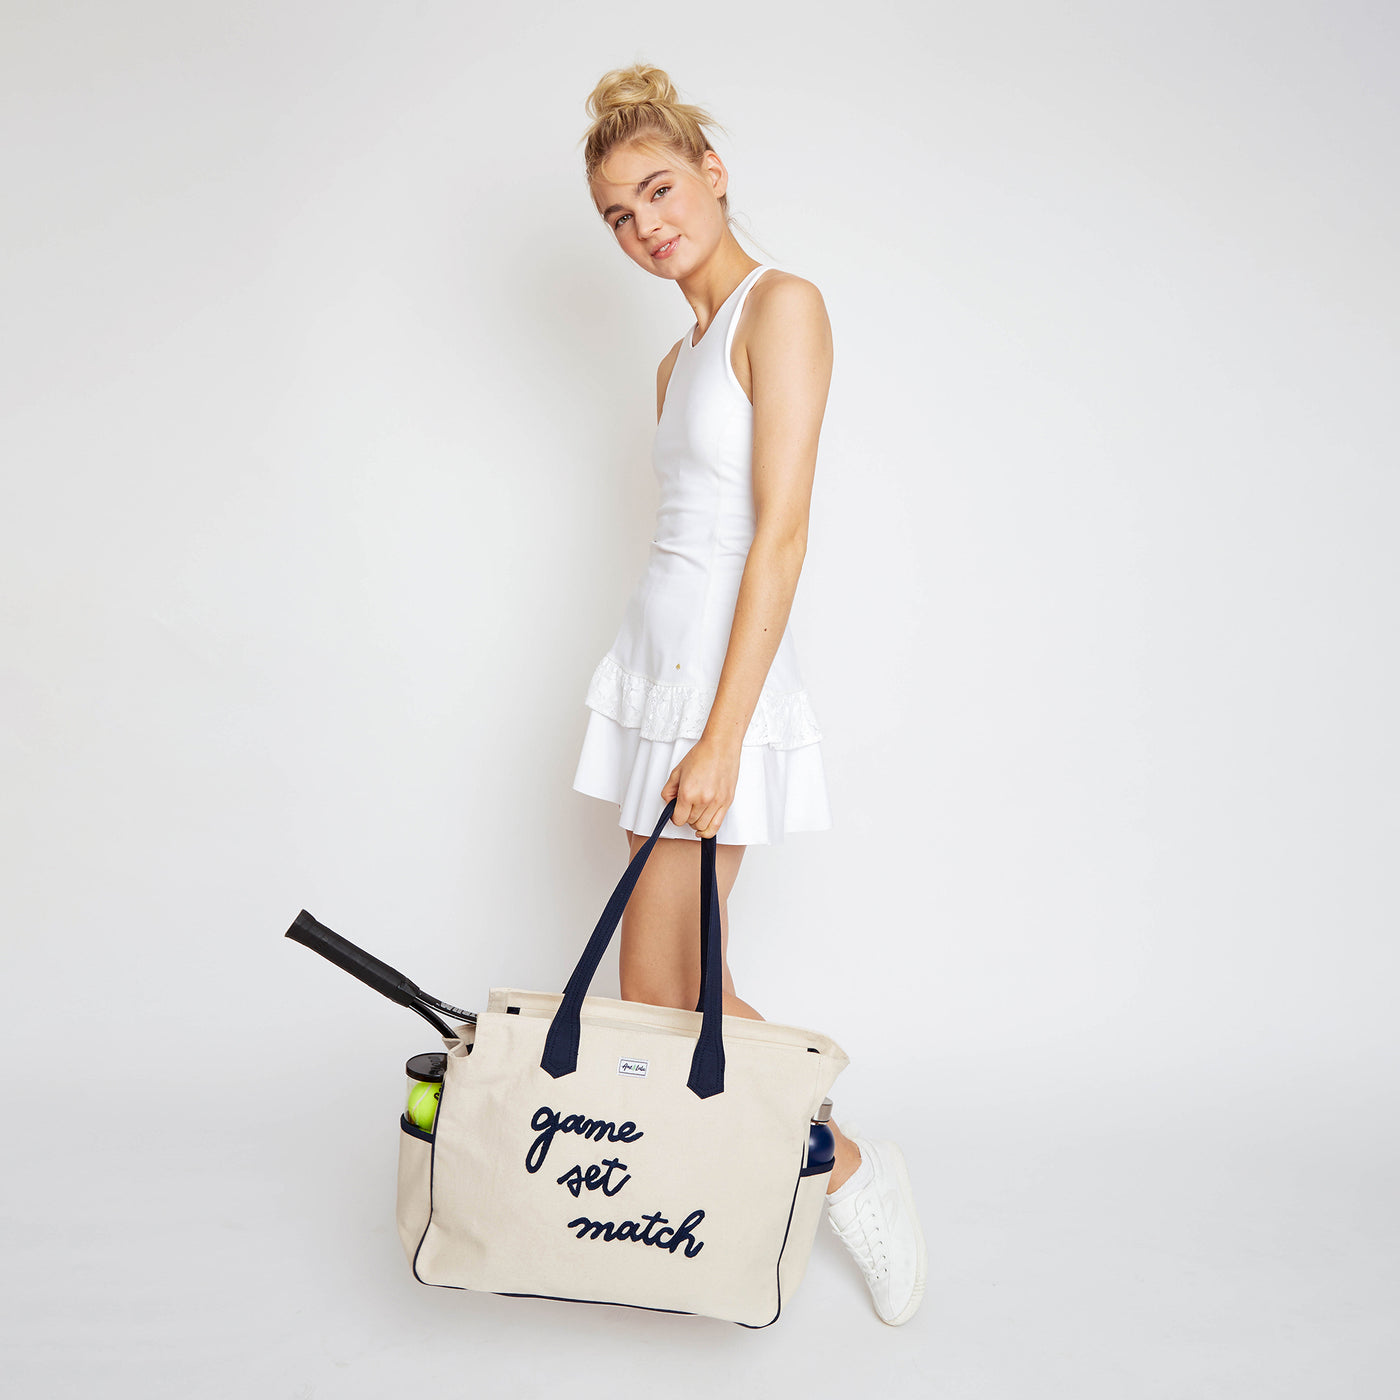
663,376
790,355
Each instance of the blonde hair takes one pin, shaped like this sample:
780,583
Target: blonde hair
640,103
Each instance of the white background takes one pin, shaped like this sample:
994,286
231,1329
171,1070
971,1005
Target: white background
327,408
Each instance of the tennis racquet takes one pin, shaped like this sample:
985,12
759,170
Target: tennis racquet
385,980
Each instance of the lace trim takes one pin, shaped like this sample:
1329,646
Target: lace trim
669,712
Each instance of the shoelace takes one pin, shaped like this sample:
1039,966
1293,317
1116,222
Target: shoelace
866,1239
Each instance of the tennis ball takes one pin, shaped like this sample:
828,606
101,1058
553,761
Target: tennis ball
422,1104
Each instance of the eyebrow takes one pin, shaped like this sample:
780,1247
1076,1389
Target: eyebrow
641,185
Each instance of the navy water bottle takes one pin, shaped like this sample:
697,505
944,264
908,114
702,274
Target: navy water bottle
821,1143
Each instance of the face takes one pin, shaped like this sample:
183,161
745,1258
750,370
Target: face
664,216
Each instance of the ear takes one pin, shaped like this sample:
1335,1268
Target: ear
715,172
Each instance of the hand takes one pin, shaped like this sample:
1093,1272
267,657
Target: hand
703,784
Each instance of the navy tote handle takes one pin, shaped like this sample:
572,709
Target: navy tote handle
707,1063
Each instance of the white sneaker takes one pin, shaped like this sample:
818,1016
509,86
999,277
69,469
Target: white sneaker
880,1228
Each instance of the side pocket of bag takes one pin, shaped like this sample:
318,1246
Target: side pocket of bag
806,1218
414,1193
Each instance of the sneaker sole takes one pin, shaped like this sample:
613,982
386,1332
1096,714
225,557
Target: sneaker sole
906,1192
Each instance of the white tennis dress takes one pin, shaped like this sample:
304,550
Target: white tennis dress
650,695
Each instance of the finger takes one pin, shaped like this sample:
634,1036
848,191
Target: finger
697,806
706,821
673,790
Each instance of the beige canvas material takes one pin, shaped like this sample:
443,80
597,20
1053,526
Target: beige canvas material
415,1166
656,1167
737,1157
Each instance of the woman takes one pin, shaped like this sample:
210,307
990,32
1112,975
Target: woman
700,697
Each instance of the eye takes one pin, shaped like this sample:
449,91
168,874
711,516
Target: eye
660,189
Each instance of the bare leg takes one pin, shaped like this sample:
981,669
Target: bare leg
847,1158
659,955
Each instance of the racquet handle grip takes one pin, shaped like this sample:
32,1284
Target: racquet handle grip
385,980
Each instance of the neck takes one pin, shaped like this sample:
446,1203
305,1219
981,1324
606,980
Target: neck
710,284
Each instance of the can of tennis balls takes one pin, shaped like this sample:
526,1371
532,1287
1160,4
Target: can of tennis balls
424,1073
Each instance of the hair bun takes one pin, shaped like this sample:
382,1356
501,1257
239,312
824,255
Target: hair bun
639,85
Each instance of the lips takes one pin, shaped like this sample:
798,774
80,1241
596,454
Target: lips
666,249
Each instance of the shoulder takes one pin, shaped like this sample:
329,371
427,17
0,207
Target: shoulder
784,295
781,305
784,342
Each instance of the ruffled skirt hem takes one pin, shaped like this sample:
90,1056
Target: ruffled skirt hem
778,790
666,712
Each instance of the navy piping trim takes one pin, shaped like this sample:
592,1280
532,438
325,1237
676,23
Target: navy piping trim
412,1128
605,1302
778,1267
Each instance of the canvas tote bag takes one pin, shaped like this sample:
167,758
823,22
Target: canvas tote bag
608,1151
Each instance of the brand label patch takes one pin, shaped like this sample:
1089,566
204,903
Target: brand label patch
637,1067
